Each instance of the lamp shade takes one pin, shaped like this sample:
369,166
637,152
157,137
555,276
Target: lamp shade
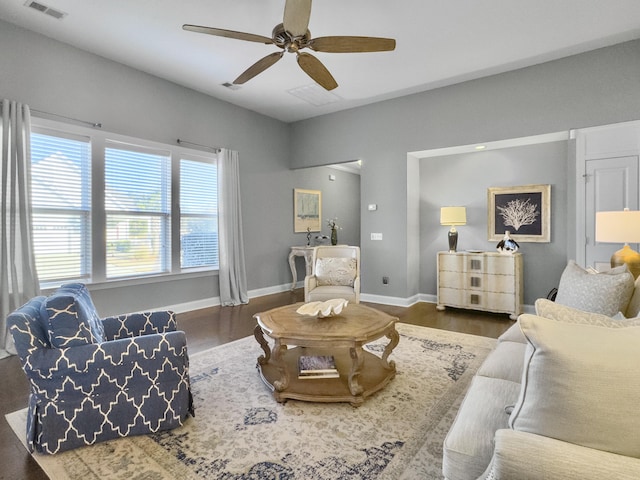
618,227
453,216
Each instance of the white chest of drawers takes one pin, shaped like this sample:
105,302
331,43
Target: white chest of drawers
486,281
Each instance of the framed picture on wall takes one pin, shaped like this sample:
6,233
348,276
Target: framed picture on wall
523,211
307,210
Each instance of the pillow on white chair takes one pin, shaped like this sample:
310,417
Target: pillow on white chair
340,271
580,385
607,293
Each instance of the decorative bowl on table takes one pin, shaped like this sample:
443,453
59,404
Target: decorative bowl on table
328,308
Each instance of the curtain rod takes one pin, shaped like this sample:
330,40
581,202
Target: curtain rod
215,149
93,124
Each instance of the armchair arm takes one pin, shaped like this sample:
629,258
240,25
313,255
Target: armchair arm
137,324
51,369
526,456
310,282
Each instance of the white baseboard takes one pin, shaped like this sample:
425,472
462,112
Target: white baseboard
364,297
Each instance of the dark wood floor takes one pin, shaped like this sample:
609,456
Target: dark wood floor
213,326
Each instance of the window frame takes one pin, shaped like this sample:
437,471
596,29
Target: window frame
99,141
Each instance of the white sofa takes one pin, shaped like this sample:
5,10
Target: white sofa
557,397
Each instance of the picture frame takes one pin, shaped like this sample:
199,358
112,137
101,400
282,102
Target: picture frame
307,210
524,211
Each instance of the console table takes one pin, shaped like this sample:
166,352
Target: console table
361,373
486,281
302,251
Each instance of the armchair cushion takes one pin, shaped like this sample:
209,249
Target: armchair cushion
579,385
70,318
339,271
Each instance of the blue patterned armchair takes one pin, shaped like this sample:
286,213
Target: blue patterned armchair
95,379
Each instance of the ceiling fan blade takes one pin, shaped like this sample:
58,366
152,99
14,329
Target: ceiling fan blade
296,17
316,70
258,67
219,32
352,44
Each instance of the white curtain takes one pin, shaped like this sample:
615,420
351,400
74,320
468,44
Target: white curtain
18,277
232,275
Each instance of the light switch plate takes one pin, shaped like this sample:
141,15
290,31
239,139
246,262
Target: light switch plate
376,236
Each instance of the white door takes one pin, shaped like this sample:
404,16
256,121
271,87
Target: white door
611,184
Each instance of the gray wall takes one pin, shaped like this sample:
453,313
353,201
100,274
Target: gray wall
472,174
595,88
57,78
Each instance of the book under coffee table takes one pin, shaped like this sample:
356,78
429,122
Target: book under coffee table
341,336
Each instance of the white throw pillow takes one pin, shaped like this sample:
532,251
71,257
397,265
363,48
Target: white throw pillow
607,293
580,385
554,311
336,271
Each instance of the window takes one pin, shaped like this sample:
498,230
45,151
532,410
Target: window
61,200
103,209
198,214
138,211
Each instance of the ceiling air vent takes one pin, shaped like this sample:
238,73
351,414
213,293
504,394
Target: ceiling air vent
52,12
231,86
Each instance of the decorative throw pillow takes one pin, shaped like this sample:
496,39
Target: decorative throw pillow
633,309
580,385
70,317
607,293
336,271
554,311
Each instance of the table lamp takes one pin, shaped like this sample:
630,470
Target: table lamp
621,227
453,216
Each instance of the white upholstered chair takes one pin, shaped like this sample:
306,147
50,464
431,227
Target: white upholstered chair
335,273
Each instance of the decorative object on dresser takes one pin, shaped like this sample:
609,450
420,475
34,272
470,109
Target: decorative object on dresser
487,281
452,217
507,245
524,211
621,227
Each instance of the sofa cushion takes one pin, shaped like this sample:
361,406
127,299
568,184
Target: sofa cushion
468,446
513,334
504,362
336,271
580,385
607,293
70,318
562,313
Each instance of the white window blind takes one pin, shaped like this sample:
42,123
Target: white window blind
198,214
138,210
61,200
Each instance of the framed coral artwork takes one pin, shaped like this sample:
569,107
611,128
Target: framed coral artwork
523,211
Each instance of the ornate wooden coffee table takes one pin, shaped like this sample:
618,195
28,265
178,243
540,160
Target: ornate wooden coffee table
343,336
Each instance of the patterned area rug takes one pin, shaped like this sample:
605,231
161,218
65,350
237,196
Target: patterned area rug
241,433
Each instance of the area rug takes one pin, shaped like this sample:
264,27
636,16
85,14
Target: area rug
241,433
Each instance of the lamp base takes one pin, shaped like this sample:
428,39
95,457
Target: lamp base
453,240
626,255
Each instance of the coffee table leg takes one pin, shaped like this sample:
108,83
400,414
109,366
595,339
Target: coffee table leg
357,357
278,360
394,338
262,359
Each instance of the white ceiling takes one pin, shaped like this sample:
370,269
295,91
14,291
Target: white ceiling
439,42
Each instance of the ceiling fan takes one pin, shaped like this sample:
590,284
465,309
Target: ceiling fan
292,35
